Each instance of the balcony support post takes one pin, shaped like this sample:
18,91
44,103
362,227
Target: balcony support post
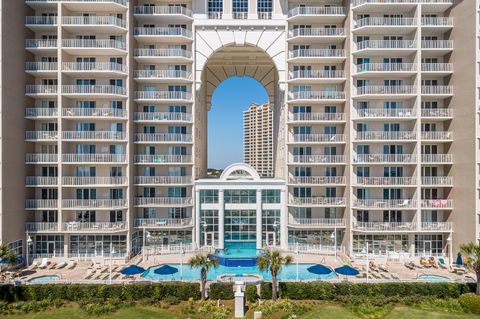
259,219
221,219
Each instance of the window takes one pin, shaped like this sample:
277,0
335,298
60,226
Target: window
240,9
271,196
215,9
240,196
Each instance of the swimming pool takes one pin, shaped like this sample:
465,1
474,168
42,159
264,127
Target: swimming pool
242,254
433,278
43,279
289,272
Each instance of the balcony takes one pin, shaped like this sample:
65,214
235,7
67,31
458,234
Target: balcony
93,136
437,158
437,226
94,46
380,91
163,180
167,75
437,68
162,201
166,223
437,90
386,181
41,112
384,204
162,138
437,203
94,203
316,96
106,113
377,113
437,136
386,136
314,76
162,96
318,180
381,68
442,24
39,227
41,135
94,158
93,180
316,34
176,13
384,158
41,181
317,222
162,117
316,117
39,158
94,90
163,159
404,3
101,5
310,55
94,227
41,67
94,23
370,46
162,55
318,159
437,46
165,34
317,201
385,226
437,181
41,204
390,24
41,90
437,113
94,68
327,14
40,23
317,138
34,45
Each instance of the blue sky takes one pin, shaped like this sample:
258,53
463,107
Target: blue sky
225,119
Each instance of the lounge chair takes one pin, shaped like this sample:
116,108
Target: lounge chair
385,276
104,269
410,265
71,264
104,276
460,271
116,275
97,276
44,263
442,264
361,275
61,265
376,276
383,268
52,265
394,275
34,265
88,275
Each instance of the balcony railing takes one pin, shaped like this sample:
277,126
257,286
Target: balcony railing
41,180
94,226
94,66
312,11
162,74
180,53
94,180
437,180
94,44
437,44
386,67
93,135
41,89
437,89
40,20
437,67
384,135
386,181
162,10
385,226
162,95
94,20
317,74
437,158
317,201
317,180
437,21
387,89
317,53
162,116
442,112
316,95
385,22
437,135
41,135
161,201
264,15
41,66
163,222
163,159
94,158
93,112
94,203
386,44
328,138
384,113
384,158
41,203
94,89
316,32
300,117
41,227
162,31
240,15
437,226
41,158
356,3
318,159
163,137
121,2
215,15
317,222
385,203
162,180
41,112
437,203
40,44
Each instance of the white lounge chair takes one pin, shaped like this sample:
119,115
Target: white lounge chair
71,264
44,263
61,265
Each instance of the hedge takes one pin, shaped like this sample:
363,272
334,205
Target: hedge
251,293
223,291
329,291
266,290
471,302
81,292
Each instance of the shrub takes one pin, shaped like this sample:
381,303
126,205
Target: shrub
471,302
172,300
251,293
373,312
223,291
99,309
216,312
266,290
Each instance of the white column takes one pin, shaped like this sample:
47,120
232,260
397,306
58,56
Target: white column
221,220
283,221
259,219
197,219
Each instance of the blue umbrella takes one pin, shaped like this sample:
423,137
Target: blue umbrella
347,271
132,270
459,259
165,270
319,269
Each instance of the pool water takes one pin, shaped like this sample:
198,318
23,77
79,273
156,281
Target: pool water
289,272
239,250
43,279
433,278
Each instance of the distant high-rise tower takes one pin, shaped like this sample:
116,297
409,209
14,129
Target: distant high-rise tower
258,138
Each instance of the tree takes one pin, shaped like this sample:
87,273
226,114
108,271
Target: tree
471,252
273,261
205,263
6,254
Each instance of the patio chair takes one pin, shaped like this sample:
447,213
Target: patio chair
62,265
52,265
383,268
44,263
395,276
71,264
88,275
34,265
442,264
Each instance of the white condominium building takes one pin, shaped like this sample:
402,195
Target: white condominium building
258,138
103,139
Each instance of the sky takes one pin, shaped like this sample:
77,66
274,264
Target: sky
225,119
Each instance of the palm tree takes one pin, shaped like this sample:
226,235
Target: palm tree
7,255
205,263
273,261
472,254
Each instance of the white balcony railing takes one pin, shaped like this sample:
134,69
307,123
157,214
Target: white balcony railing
384,203
385,22
162,53
437,180
436,226
384,158
162,31
162,137
317,201
41,112
437,203
301,117
41,180
317,53
162,180
386,44
94,89
94,44
101,227
316,32
163,159
437,135
163,222
386,67
240,15
94,158
317,222
385,113
386,181
318,159
316,74
41,227
437,21
441,112
386,135
41,89
327,138
437,44
41,158
313,11
41,66
162,10
316,95
40,20
94,135
163,201
162,95
318,180
94,66
437,158
162,74
162,116
41,43
385,226
437,89
94,112
41,203
94,203
94,21
120,2
437,67
356,3
382,89
93,180
41,135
